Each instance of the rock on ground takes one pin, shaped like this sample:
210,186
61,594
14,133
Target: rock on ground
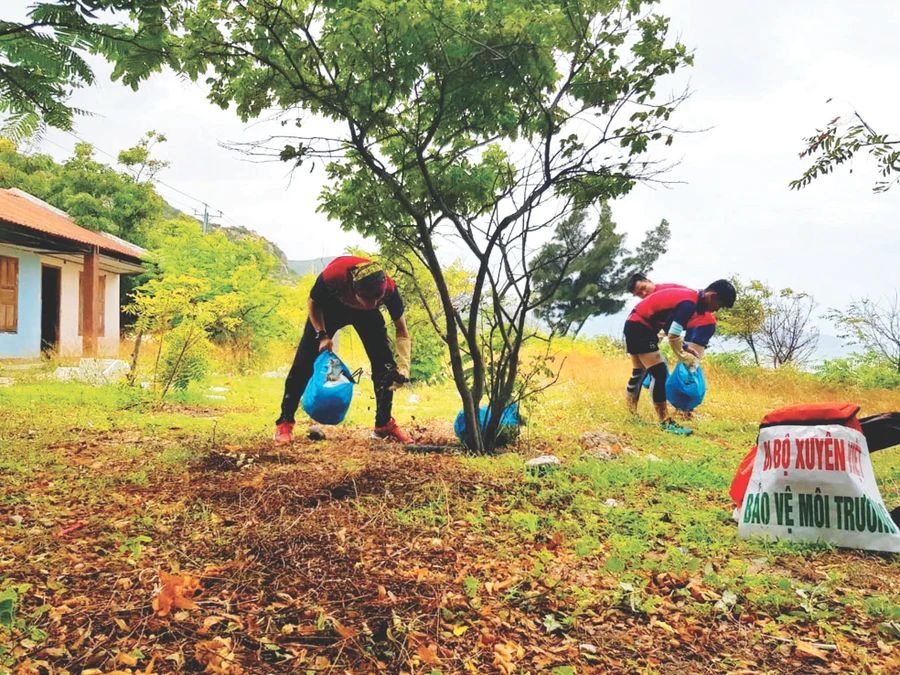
603,445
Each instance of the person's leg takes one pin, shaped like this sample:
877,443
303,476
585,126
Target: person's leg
640,341
372,333
633,389
302,368
299,375
658,373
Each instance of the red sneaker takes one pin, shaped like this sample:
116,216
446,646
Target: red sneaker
284,433
391,432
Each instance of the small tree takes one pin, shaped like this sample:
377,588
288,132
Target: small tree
485,123
172,307
788,334
139,159
248,307
584,272
875,326
774,324
840,141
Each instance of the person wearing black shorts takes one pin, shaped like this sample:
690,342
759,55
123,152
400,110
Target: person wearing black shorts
669,311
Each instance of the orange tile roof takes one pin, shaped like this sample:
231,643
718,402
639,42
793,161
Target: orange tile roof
18,208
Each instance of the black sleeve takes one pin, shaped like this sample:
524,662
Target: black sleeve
394,304
320,293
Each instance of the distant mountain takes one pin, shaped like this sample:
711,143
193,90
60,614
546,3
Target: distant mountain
170,212
303,267
240,233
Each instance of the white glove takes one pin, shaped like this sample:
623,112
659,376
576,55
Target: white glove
404,358
688,359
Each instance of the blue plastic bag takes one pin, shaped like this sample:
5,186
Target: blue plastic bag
509,424
684,390
330,390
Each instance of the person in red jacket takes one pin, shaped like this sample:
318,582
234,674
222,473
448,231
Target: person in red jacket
669,311
701,327
349,292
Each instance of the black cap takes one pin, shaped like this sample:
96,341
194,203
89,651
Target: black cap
724,290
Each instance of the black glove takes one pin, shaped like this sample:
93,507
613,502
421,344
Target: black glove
394,378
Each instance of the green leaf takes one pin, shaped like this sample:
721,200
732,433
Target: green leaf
550,623
8,600
615,565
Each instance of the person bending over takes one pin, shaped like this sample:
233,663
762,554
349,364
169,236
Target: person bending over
701,327
349,292
669,311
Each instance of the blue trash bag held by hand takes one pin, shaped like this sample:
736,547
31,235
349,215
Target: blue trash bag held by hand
330,390
508,432
685,390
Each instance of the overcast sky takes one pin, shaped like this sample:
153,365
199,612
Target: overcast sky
763,73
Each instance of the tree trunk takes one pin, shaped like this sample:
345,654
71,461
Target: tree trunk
470,404
134,357
753,349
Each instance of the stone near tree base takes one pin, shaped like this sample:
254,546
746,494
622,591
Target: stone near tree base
538,466
316,433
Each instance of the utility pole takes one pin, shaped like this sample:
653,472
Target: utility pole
205,221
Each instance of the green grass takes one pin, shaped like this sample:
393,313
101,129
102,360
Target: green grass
590,540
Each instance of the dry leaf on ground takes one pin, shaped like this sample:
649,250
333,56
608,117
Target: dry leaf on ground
809,651
176,592
217,655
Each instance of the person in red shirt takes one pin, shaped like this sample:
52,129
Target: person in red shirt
668,311
349,292
701,327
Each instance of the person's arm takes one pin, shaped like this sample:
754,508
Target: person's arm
317,319
404,349
317,295
683,313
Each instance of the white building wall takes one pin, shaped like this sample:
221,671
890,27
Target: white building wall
109,343
70,342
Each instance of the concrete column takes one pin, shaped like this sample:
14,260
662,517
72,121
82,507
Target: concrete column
91,304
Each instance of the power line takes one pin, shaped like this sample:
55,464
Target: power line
202,202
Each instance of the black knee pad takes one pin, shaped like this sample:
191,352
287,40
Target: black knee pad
634,383
659,373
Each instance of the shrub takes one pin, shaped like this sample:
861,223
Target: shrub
866,371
